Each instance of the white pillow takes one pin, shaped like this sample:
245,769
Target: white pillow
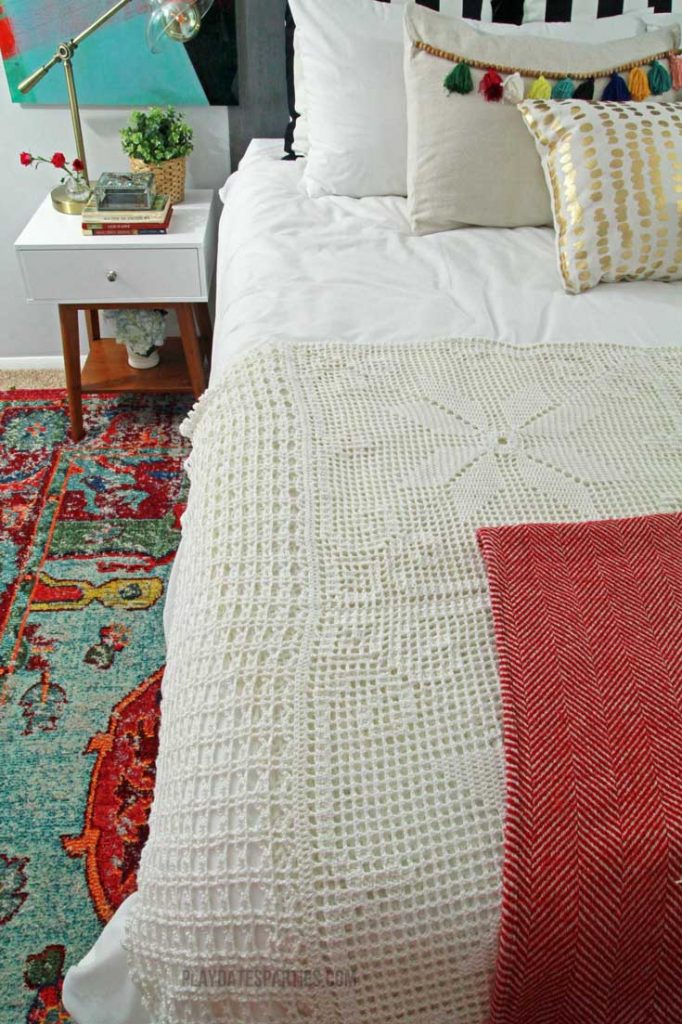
349,10
352,59
350,89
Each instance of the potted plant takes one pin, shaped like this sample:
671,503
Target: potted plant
142,331
159,140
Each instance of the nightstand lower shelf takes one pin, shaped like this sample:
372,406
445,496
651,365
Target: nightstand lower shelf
183,360
106,369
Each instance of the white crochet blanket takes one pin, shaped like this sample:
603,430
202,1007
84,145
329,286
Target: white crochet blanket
326,833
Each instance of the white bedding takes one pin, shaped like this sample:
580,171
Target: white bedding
293,268
301,269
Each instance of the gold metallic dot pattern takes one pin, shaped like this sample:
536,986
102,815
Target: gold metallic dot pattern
614,172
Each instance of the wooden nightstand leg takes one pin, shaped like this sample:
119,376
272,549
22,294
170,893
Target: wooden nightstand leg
68,322
92,325
191,348
205,328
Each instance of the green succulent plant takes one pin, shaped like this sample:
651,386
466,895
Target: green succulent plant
156,135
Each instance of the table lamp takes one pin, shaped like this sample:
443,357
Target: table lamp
179,20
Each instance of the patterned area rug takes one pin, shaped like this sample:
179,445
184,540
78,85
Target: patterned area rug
88,534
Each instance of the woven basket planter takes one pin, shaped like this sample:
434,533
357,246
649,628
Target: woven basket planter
169,177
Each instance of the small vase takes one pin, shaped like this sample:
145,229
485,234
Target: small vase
140,362
78,189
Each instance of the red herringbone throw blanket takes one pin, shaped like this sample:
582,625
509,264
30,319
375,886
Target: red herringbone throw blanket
588,621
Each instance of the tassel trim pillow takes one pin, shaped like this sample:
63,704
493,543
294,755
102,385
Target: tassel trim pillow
614,171
470,160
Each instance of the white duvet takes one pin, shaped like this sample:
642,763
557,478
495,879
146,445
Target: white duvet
294,268
291,268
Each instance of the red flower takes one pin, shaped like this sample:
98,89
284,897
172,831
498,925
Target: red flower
78,165
58,160
26,159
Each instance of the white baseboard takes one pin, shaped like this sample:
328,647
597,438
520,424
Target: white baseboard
33,362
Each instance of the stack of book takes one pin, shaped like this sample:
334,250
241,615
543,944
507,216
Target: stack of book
154,221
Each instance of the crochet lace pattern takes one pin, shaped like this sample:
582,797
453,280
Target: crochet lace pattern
326,833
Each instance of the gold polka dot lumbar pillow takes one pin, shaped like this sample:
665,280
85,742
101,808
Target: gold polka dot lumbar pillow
614,172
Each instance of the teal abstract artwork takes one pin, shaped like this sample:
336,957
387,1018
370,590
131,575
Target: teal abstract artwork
114,67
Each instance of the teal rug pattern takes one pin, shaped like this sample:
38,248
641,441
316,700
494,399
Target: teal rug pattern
88,534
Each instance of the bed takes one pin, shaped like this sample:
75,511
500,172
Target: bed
375,866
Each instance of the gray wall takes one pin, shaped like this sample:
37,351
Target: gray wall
262,110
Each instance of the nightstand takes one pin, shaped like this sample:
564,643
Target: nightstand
79,272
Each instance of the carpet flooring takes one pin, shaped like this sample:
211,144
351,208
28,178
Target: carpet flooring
34,380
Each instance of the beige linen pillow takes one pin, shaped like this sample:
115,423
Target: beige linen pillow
614,171
473,162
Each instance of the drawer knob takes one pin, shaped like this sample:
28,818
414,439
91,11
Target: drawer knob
112,275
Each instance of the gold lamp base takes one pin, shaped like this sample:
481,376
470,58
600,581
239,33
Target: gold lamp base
65,203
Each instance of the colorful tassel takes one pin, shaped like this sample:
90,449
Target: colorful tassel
675,62
540,89
638,84
563,89
584,91
616,90
491,86
512,89
659,79
459,79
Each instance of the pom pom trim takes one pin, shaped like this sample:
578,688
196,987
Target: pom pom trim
638,84
659,78
616,90
585,90
563,89
491,86
459,79
577,76
675,64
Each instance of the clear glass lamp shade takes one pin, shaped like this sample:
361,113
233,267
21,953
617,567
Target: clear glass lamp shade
176,20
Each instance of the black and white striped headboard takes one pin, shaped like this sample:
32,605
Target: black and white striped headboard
570,10
463,8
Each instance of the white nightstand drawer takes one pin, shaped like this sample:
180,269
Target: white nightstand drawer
112,275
